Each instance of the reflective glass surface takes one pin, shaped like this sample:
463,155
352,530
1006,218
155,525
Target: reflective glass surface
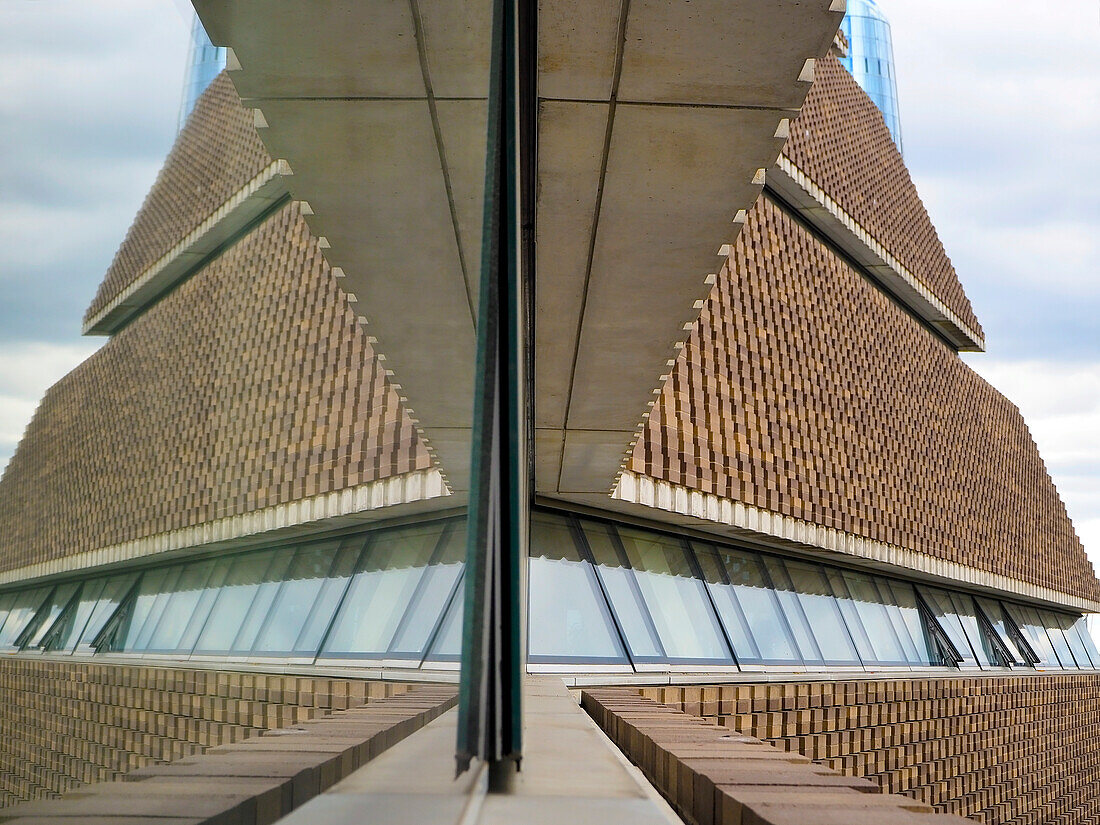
601,594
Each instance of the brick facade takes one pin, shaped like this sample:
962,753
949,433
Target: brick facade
66,724
841,142
217,152
806,391
1004,750
250,385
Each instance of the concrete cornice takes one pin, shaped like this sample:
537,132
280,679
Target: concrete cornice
823,213
279,520
249,204
703,511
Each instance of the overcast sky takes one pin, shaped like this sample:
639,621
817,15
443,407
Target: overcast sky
1000,110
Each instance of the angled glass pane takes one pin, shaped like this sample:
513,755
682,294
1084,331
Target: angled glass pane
792,611
676,597
868,618
24,607
997,616
1054,625
447,644
168,634
66,631
50,612
295,595
980,643
6,602
1032,627
568,617
114,591
262,599
329,598
431,597
806,585
747,606
622,589
234,598
381,590
905,597
1077,648
152,597
1081,630
943,610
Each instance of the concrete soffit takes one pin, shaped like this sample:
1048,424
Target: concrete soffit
656,123
681,506
824,214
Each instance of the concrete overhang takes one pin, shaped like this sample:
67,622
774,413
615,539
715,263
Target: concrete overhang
656,120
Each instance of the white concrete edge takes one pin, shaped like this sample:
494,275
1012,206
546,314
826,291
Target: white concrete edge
420,485
243,206
825,214
705,507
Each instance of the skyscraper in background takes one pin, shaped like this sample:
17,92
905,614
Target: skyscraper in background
871,59
204,61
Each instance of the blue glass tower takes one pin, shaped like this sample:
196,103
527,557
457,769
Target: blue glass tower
871,59
204,62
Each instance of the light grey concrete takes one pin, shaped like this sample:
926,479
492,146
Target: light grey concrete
571,773
655,118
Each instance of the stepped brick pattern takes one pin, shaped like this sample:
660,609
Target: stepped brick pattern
65,725
713,777
1003,750
216,154
804,390
250,385
841,143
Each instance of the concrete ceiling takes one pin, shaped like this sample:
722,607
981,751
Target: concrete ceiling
655,119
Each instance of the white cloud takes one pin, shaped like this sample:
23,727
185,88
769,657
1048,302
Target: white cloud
27,370
1061,404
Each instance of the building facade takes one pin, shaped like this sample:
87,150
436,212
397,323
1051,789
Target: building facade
827,533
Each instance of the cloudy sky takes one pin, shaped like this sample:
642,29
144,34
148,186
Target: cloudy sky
1000,109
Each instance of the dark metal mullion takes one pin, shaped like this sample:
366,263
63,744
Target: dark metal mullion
70,605
635,588
697,571
888,599
938,634
581,542
1018,635
123,612
986,626
421,585
80,635
438,628
363,552
840,613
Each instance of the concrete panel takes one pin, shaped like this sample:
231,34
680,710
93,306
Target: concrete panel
723,53
571,139
371,173
462,128
287,48
675,179
591,459
456,37
577,44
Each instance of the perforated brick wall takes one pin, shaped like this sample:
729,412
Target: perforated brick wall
250,385
65,724
806,391
216,153
841,142
1011,750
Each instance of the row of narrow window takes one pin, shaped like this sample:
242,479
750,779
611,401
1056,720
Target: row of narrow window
602,596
